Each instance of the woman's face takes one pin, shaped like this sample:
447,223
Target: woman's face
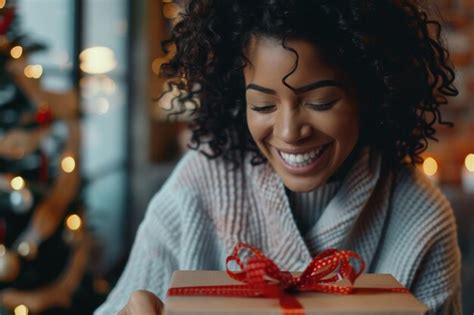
306,132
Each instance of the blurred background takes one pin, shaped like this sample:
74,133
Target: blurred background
84,143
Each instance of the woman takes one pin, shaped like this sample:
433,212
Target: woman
310,119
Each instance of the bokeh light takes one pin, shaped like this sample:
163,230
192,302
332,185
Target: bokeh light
16,52
97,60
430,166
33,71
469,162
68,164
21,310
17,183
73,222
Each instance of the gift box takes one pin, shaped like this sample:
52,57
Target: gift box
313,303
333,283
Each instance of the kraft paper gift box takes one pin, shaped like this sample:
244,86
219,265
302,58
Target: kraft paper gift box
313,303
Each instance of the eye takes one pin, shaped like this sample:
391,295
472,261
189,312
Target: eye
321,106
263,108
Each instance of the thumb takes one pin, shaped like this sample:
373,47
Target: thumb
143,302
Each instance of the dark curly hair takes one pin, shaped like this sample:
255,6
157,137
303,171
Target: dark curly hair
390,49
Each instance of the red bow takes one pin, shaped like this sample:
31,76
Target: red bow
263,278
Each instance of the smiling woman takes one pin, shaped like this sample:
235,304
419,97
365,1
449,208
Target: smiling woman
311,116
305,125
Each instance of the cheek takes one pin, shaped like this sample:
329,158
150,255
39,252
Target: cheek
259,126
342,126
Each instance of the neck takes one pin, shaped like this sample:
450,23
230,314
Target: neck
346,165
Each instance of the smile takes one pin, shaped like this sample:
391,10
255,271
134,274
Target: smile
302,160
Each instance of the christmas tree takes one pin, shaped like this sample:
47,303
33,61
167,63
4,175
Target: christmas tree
44,246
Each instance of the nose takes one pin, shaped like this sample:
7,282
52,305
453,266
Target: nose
291,126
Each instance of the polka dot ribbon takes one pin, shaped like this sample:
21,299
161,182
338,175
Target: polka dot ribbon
263,278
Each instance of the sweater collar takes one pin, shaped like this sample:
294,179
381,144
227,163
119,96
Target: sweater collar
287,246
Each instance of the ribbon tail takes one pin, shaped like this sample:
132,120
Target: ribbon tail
379,290
290,305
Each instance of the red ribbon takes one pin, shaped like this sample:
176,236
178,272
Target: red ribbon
263,278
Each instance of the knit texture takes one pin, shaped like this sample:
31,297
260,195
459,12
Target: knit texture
399,223
308,206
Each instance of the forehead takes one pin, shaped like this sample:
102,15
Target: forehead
270,61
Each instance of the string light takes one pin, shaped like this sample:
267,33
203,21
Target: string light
33,71
73,222
468,174
17,183
97,60
68,164
16,52
469,162
21,310
24,249
430,166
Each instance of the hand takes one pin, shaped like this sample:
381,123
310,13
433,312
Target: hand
143,302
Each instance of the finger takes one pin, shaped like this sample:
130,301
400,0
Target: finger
144,303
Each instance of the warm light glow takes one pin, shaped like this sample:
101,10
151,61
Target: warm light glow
16,52
21,310
97,60
73,222
469,162
430,166
171,10
68,164
3,250
101,286
33,71
3,3
17,183
24,249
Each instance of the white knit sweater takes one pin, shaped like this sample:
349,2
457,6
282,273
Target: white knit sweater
399,224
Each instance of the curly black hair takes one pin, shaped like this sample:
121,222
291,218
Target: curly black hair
391,50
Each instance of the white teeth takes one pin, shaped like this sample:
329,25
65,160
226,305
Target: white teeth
301,159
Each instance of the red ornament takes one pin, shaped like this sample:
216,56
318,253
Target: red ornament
6,21
44,116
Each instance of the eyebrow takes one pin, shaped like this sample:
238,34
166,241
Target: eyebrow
303,89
